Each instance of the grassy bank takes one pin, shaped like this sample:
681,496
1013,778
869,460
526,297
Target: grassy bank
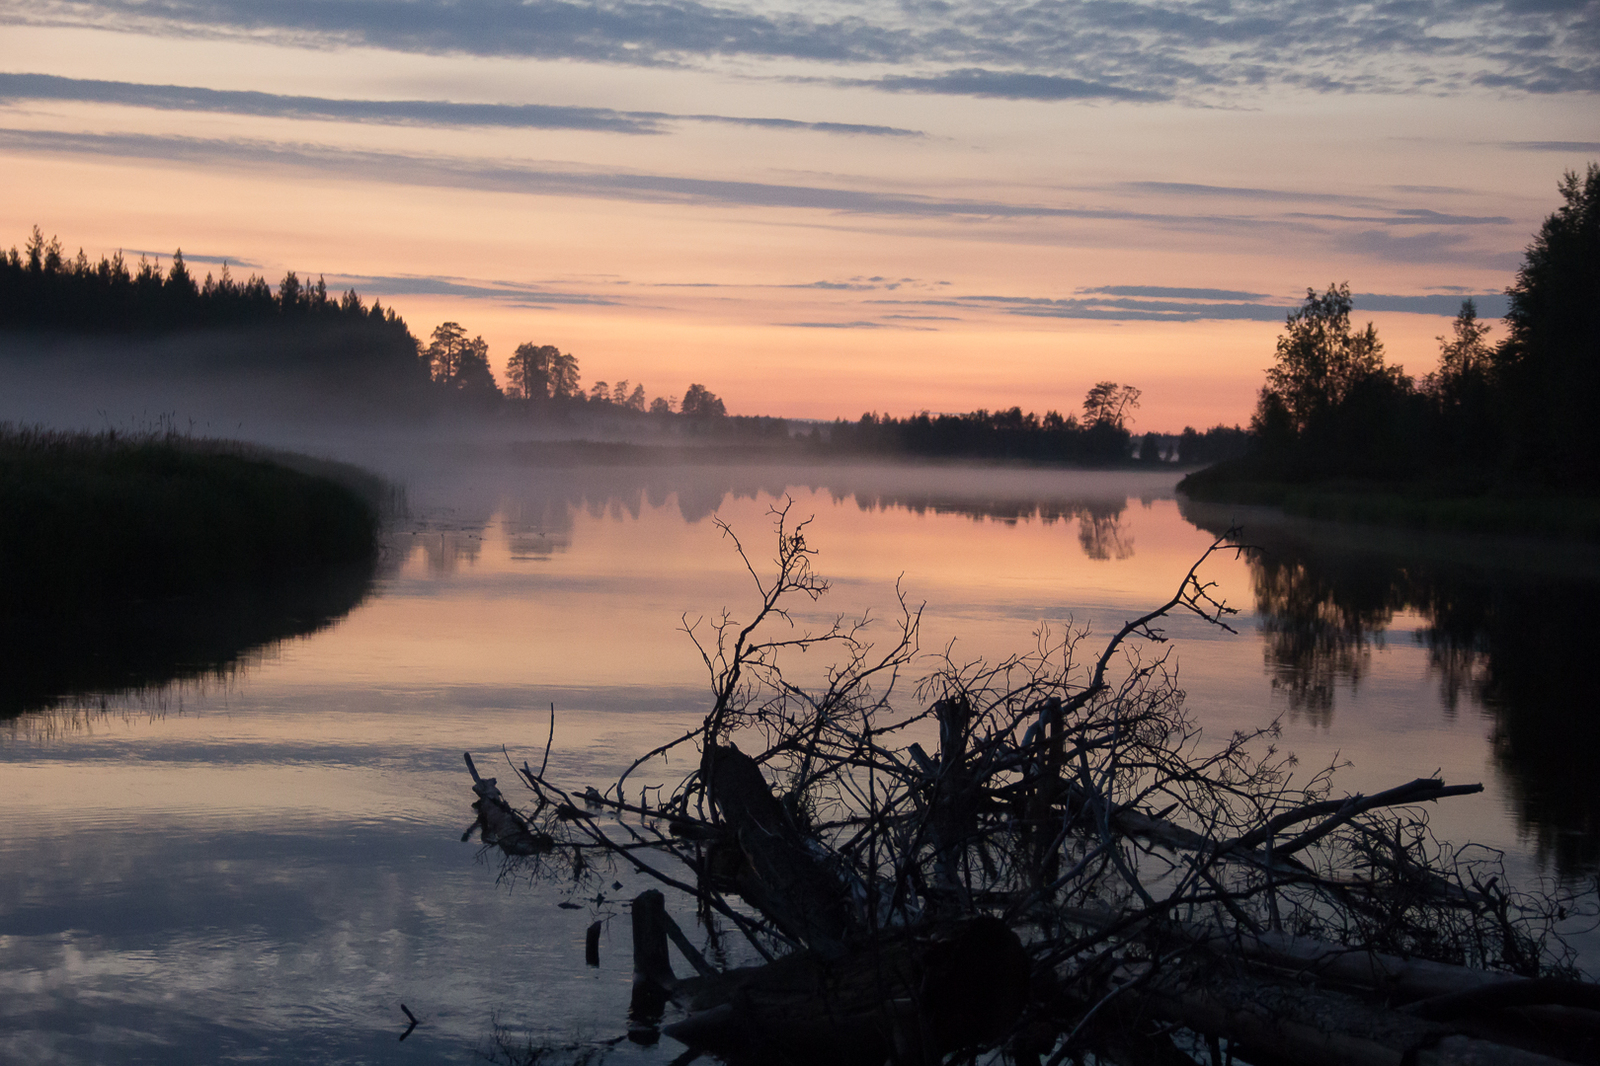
1432,506
87,519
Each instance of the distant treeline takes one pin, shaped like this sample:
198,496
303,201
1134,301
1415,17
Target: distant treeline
44,290
1099,437
1508,416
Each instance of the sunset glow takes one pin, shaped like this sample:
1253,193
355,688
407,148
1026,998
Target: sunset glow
822,210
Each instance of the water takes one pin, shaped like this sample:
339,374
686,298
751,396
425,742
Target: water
261,861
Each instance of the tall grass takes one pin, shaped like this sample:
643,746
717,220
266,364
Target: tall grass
89,518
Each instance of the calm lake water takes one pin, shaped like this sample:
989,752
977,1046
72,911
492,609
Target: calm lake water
261,861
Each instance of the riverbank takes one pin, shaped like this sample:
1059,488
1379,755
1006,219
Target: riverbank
1442,507
88,519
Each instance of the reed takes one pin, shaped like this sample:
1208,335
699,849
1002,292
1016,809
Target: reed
91,518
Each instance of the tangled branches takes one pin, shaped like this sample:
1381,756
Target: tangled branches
1057,826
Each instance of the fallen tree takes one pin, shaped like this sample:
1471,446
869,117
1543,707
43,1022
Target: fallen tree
1040,859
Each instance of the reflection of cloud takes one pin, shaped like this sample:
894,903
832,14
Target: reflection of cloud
397,112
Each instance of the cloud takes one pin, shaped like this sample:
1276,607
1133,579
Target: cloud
1237,192
195,257
1489,304
1190,294
835,325
1586,147
1004,84
1112,309
1103,50
1412,216
428,285
1156,308
489,175
1429,246
397,112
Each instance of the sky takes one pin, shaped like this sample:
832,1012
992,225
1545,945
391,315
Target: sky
821,209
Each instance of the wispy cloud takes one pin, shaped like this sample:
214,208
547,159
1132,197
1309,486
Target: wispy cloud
1489,304
232,261
1005,84
489,175
1107,50
1411,216
432,285
15,87
1154,303
1553,146
1182,294
835,325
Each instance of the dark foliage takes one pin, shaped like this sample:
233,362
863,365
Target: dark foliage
93,519
1550,362
119,651
1499,639
988,435
41,288
1507,419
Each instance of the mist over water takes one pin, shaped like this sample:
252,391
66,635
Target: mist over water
257,855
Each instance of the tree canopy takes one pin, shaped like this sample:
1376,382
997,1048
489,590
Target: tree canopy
1550,361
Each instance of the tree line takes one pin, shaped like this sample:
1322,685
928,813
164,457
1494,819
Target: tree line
1513,412
44,289
542,374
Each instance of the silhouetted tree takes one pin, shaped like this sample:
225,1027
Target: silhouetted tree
446,348
700,402
1551,360
528,371
635,400
1319,358
1109,403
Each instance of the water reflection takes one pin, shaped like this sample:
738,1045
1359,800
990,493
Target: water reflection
123,650
537,505
1506,628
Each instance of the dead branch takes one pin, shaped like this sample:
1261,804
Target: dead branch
1038,856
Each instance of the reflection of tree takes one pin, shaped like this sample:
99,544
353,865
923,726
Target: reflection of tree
129,649
1319,629
1100,531
538,528
447,549
1509,643
609,485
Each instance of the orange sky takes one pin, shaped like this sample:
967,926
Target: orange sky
820,211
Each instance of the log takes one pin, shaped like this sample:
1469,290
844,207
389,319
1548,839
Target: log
776,871
498,824
914,996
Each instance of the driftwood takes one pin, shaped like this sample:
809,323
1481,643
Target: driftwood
1040,857
911,997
